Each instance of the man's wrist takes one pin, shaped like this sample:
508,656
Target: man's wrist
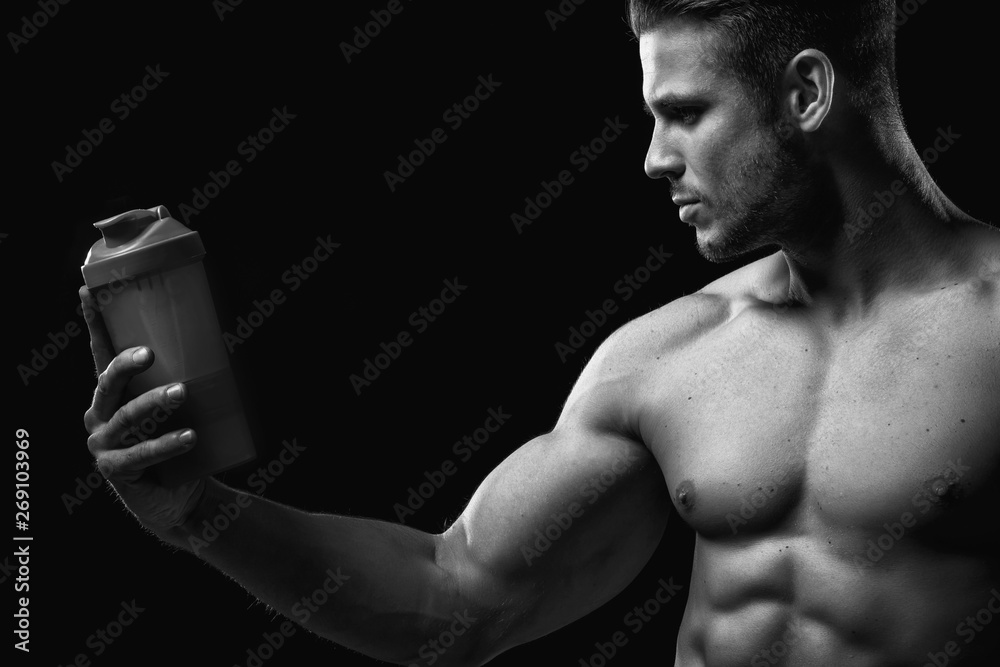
182,534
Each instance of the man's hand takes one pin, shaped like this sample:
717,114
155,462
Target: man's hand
112,428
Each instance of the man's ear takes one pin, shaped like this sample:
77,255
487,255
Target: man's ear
807,89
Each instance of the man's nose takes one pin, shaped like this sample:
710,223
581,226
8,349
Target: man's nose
663,160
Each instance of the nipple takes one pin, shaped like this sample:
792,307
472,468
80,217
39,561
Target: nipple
685,494
943,490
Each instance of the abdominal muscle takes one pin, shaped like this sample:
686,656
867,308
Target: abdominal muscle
798,600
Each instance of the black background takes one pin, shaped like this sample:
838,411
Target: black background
323,176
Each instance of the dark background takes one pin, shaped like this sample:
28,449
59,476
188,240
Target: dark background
323,175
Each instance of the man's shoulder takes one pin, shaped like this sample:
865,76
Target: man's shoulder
685,319
631,350
631,358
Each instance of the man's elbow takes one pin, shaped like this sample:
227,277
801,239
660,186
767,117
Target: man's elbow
471,613
465,639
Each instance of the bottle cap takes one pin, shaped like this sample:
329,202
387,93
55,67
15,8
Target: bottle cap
138,242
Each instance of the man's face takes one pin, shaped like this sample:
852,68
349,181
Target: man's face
748,181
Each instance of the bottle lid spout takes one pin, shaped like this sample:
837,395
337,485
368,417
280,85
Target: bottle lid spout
124,227
138,242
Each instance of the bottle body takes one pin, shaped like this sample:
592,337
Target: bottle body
172,313
161,299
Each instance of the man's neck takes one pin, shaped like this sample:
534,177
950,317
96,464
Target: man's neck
886,227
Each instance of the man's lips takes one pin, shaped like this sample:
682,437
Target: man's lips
687,211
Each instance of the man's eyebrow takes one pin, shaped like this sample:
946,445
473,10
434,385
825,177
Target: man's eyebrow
672,99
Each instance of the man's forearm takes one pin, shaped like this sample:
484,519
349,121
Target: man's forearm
372,586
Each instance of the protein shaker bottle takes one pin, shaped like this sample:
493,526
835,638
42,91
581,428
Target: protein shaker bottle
147,275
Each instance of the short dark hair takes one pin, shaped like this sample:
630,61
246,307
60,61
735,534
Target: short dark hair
762,36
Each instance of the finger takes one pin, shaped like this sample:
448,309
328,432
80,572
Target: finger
115,463
112,382
125,427
100,339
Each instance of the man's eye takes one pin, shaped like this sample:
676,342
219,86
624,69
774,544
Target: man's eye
686,115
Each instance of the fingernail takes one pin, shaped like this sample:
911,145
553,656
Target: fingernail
175,393
140,356
186,436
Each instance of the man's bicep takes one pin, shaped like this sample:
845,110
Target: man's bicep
558,529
